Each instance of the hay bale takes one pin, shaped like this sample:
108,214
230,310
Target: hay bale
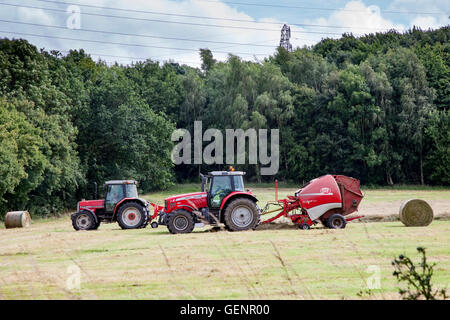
416,213
17,219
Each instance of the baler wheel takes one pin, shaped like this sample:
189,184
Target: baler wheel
336,221
241,214
325,223
181,221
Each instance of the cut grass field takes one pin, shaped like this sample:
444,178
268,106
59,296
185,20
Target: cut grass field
278,262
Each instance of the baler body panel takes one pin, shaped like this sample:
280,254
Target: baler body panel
319,196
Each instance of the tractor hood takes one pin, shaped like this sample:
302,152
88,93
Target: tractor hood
195,199
90,204
179,197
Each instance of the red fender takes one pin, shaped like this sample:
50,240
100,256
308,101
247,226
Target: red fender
237,193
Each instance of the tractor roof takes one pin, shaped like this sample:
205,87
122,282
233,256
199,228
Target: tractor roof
120,182
226,173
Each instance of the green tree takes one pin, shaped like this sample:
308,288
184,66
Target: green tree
437,161
22,162
208,60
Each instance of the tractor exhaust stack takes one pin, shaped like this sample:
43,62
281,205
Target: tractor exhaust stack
95,191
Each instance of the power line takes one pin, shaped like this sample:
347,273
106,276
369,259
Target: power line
125,57
212,49
123,44
203,17
136,35
168,21
317,8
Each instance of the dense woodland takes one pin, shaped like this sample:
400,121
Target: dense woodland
375,108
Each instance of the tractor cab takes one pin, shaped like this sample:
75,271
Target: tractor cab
219,184
116,191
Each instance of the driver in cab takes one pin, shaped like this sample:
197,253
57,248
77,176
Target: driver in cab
220,189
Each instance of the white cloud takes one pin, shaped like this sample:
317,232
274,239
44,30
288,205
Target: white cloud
425,22
34,15
358,19
268,38
429,13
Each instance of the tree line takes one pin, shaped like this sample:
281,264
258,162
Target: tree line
374,107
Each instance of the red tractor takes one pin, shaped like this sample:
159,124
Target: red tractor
121,204
222,200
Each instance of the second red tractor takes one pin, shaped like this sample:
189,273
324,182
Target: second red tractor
222,199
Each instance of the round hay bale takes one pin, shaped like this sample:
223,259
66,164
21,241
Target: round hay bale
17,219
416,213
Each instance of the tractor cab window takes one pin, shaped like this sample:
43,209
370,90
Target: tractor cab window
114,193
238,183
131,191
220,188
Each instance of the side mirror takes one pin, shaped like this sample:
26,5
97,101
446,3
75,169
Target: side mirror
204,180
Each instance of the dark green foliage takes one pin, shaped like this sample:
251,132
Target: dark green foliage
417,278
22,162
27,85
437,159
122,137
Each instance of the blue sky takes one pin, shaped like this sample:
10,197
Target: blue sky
175,29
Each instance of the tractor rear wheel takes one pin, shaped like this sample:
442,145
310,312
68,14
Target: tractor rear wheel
180,221
241,214
84,220
336,221
132,215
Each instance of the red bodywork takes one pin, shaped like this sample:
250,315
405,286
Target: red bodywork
188,201
196,201
319,199
91,205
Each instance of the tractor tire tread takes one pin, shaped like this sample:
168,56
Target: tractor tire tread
336,216
91,216
229,225
144,217
173,215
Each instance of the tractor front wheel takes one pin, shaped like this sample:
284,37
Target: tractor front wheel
241,214
181,221
336,221
84,220
132,215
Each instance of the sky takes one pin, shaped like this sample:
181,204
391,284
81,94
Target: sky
174,30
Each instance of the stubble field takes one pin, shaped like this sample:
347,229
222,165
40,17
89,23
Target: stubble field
276,261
